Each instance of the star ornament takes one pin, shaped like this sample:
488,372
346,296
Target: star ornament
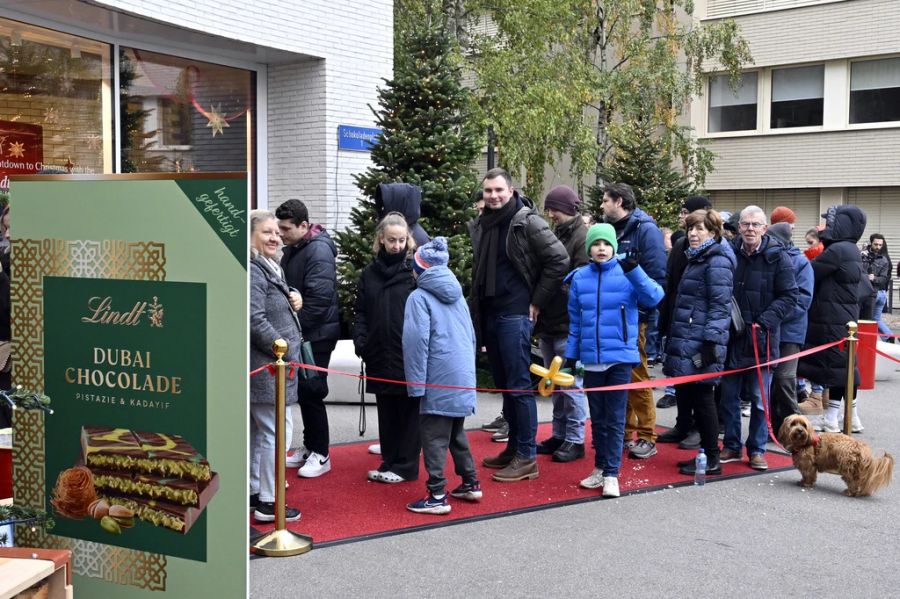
216,120
16,149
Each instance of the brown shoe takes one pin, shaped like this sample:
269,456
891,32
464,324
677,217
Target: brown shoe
814,405
758,462
498,461
518,469
726,455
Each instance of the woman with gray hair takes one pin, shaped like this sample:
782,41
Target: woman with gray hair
273,315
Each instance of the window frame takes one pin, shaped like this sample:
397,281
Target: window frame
848,91
706,104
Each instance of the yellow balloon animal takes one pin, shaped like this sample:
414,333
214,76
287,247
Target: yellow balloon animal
551,377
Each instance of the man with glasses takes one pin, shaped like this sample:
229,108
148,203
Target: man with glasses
766,291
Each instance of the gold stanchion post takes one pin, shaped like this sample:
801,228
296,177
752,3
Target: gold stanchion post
851,363
280,542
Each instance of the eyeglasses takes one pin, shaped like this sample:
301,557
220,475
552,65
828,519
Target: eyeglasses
752,225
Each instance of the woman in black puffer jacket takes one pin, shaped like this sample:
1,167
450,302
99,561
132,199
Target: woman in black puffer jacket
698,335
378,339
836,298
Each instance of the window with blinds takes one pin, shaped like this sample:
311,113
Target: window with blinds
875,91
732,110
798,96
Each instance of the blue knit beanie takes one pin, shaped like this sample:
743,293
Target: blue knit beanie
433,253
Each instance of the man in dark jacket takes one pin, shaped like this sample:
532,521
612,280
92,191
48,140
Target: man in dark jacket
518,266
637,235
309,267
552,329
878,269
766,291
793,330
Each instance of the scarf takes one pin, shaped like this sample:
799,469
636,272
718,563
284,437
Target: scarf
692,252
484,277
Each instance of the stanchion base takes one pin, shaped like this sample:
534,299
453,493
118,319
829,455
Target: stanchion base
282,543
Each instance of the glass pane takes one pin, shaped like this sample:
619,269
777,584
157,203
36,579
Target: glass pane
875,91
803,83
730,110
55,103
182,115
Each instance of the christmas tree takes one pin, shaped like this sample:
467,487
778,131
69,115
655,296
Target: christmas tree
427,139
643,161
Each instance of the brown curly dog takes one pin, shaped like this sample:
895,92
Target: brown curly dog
835,453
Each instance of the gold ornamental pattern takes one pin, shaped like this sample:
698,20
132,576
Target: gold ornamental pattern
33,259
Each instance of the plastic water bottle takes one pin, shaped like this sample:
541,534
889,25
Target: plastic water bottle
700,468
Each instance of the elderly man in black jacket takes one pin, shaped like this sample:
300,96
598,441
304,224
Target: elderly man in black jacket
766,291
518,266
309,266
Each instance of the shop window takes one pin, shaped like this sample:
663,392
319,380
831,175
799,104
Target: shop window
181,115
798,97
731,110
55,103
875,91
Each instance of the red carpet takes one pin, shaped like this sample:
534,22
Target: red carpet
342,505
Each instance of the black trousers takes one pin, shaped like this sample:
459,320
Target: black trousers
784,388
398,432
440,433
700,399
312,408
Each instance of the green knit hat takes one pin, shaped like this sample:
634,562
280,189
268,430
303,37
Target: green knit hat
602,231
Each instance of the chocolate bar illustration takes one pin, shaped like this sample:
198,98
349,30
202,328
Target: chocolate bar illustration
158,454
179,518
173,490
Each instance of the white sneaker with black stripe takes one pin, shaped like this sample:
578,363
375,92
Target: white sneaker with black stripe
316,465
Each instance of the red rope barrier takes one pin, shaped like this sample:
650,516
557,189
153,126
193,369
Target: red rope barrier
648,384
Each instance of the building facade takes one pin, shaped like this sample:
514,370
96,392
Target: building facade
112,86
816,120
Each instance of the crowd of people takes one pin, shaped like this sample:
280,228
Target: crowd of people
613,299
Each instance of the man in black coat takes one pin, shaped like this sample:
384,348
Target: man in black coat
878,269
309,267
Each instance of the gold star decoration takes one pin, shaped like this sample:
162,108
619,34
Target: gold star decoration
16,149
216,120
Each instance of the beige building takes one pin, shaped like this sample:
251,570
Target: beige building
816,121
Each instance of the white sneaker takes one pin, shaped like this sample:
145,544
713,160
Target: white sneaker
856,425
610,486
375,449
316,465
827,426
594,480
295,458
384,477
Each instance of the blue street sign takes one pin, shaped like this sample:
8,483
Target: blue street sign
356,139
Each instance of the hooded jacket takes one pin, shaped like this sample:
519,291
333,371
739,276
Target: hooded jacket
793,328
701,312
641,235
838,271
406,199
603,312
439,345
309,267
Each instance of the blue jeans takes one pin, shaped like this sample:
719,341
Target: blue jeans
508,342
652,346
608,416
569,407
880,301
745,386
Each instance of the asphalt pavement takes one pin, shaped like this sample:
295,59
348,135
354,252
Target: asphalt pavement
757,537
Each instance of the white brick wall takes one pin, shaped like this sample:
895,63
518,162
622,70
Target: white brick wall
828,159
344,48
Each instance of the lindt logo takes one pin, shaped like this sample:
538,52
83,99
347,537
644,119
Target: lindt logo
102,311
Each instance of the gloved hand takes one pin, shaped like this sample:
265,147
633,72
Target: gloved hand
708,353
569,366
630,262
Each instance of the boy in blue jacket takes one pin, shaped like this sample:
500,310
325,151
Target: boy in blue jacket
603,332
439,349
